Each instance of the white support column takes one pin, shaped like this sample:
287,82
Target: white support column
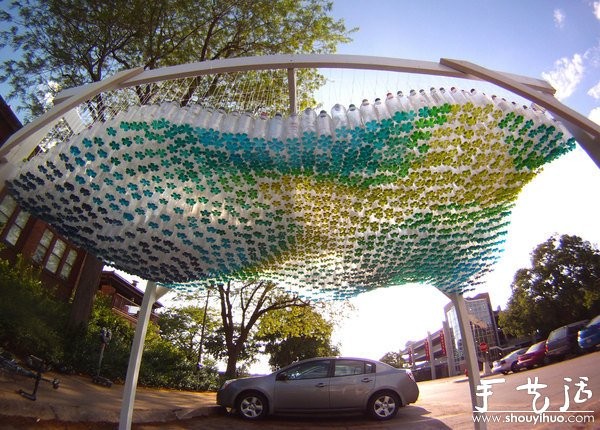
468,344
431,356
151,295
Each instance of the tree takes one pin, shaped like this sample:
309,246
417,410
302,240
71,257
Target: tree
242,305
184,326
66,43
393,358
561,287
294,334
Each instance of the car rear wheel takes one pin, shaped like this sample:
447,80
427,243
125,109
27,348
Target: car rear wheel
252,405
384,405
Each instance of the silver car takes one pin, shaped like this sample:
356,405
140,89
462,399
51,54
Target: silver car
328,384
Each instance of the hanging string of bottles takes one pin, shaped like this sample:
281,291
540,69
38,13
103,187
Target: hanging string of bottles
409,188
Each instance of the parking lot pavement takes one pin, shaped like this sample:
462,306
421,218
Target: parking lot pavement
78,400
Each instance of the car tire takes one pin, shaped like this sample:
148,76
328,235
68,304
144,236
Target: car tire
252,405
384,405
514,367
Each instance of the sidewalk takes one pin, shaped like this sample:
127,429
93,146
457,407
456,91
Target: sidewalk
78,400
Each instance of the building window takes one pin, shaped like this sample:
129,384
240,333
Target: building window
42,248
7,207
68,264
17,227
55,256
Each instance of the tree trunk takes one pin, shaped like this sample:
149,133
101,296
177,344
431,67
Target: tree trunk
87,286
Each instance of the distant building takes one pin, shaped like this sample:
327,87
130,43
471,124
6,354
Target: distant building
441,353
126,298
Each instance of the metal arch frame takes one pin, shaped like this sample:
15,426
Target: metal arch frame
24,141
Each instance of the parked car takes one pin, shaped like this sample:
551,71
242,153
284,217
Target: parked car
534,356
508,363
563,341
588,337
325,384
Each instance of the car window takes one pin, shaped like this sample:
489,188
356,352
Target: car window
310,370
349,367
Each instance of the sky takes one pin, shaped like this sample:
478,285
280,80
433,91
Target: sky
554,40
558,41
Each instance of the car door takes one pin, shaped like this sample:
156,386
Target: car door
303,387
352,383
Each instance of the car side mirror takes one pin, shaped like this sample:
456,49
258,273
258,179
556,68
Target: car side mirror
281,376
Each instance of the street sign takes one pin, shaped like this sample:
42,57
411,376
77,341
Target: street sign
483,347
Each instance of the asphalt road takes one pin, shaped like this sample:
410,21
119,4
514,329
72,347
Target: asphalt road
445,404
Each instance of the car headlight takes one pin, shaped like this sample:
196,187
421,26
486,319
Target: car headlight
226,383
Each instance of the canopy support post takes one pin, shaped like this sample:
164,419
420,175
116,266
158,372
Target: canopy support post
468,344
151,295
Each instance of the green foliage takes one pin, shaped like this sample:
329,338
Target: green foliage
393,358
67,43
31,319
293,334
183,327
561,287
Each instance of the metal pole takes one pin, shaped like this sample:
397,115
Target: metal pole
468,343
151,295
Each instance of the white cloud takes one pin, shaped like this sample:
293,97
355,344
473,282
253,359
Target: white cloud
596,7
595,115
595,91
565,77
559,18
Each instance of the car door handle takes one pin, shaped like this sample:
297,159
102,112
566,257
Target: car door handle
367,379
320,385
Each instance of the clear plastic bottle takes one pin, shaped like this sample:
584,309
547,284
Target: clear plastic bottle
381,110
214,123
435,97
354,117
308,121
339,116
458,96
393,104
406,106
292,127
324,124
244,123
229,122
275,127
259,129
203,117
367,112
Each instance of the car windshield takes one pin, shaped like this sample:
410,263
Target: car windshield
594,321
537,346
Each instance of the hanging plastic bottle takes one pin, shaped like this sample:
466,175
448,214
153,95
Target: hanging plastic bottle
501,103
339,117
367,112
229,122
259,129
458,96
406,105
244,123
446,96
478,99
416,101
308,121
393,104
275,127
324,124
436,98
214,123
354,117
203,117
292,127
380,109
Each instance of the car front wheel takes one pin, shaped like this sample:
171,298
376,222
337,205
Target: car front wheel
252,406
384,405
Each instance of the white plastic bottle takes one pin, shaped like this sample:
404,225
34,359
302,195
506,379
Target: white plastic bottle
275,127
308,121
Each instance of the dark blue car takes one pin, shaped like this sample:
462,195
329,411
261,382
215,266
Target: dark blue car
589,336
